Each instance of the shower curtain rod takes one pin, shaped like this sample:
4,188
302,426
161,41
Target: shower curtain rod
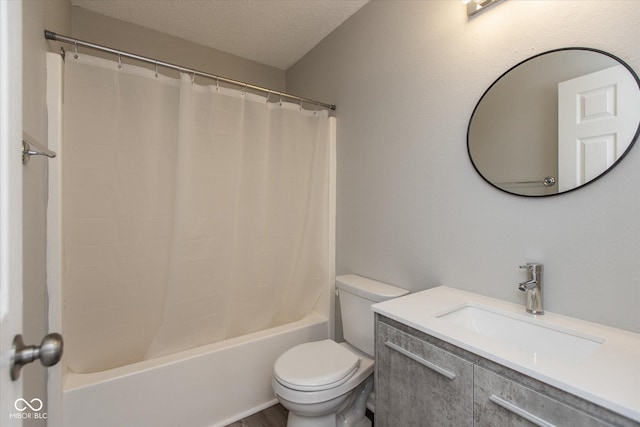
50,35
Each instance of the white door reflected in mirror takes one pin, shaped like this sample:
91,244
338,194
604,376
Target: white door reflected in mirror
595,125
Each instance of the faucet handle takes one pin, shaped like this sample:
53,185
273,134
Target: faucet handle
532,266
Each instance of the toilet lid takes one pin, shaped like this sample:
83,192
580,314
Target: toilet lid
315,366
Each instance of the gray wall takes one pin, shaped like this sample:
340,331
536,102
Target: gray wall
411,209
100,29
37,15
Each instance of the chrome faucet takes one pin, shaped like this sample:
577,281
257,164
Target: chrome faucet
533,288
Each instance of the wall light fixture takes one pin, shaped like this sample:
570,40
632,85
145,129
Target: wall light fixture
475,6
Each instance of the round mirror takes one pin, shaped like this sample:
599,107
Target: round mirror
555,122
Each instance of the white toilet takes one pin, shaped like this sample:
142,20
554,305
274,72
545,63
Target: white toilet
326,384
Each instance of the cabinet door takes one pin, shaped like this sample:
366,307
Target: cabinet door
419,384
502,402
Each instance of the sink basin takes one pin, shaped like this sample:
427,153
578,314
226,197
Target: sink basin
526,333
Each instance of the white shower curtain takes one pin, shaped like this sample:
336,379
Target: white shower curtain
191,214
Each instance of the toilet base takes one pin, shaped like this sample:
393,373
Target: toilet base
295,420
364,423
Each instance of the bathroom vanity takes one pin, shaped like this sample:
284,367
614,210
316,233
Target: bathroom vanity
446,357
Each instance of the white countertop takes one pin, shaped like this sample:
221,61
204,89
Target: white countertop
610,377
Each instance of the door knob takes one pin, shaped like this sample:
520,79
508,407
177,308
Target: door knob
49,352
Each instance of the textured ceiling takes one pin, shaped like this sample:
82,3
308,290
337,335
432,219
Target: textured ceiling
272,32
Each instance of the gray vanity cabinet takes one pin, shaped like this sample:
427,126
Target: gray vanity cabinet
423,381
419,384
499,401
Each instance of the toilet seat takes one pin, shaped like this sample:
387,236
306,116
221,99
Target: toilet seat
316,366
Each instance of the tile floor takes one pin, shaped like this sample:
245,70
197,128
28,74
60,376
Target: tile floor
274,416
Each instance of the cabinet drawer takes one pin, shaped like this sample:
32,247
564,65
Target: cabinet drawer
419,384
502,402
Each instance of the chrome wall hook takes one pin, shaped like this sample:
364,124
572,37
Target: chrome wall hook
28,143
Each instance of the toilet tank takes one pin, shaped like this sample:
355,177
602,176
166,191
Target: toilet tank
357,295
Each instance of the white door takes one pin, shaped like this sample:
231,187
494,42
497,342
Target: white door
10,203
597,118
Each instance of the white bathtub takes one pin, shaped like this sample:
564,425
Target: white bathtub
212,385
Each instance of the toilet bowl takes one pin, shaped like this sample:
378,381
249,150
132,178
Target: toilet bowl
326,384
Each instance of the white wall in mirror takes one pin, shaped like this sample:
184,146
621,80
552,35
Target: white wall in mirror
519,135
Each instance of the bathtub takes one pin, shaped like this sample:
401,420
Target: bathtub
211,385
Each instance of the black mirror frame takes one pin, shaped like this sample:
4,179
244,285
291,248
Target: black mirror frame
615,164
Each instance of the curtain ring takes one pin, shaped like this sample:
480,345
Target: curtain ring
316,110
268,95
156,68
76,49
217,84
301,105
193,77
281,100
119,61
